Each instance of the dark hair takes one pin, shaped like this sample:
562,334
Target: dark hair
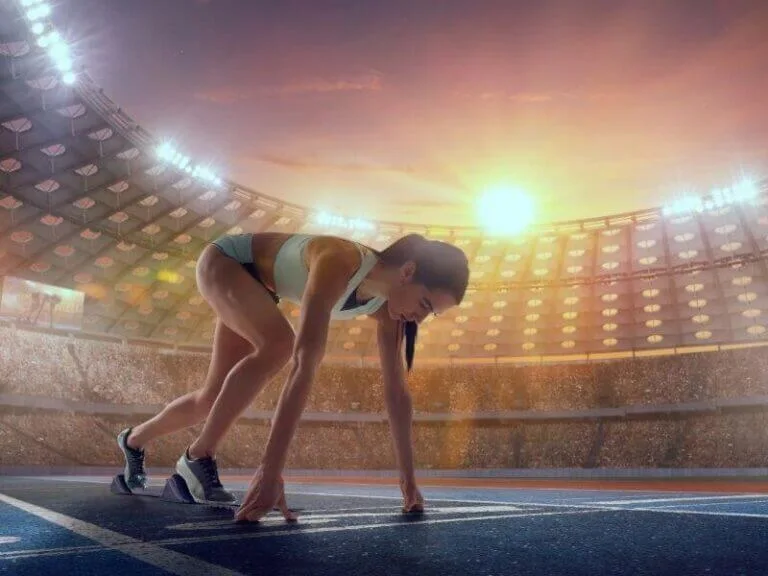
439,266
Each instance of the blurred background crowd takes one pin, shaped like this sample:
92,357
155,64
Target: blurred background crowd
466,416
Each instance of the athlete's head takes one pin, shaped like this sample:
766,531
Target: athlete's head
430,277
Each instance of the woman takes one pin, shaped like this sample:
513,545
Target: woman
243,277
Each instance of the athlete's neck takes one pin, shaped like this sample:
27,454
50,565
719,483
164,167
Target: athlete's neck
378,282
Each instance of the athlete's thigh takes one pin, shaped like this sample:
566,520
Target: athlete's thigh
228,349
240,302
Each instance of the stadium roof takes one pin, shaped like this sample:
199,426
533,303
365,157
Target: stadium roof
88,203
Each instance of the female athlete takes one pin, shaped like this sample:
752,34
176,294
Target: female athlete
243,277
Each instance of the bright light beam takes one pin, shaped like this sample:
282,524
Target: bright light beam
505,210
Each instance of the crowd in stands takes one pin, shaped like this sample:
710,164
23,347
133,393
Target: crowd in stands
55,366
89,370
701,441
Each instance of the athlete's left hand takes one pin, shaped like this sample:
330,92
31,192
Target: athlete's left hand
265,492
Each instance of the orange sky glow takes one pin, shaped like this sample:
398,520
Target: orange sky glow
407,111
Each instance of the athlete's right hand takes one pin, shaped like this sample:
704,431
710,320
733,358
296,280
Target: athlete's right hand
264,493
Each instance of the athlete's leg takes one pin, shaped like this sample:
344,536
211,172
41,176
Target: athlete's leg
247,316
228,349
249,310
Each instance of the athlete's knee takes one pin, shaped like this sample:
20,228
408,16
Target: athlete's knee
279,347
204,401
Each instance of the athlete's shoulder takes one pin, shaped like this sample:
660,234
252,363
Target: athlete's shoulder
334,251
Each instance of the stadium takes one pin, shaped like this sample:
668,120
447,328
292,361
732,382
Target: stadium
623,355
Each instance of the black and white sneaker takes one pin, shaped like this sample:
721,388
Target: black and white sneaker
135,475
202,478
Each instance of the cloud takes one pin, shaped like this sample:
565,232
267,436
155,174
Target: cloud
226,95
361,83
550,97
231,94
528,98
423,204
433,176
307,164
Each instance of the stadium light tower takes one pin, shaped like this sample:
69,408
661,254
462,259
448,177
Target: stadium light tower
741,192
330,220
505,210
37,13
168,154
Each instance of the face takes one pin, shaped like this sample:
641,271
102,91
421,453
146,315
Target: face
410,301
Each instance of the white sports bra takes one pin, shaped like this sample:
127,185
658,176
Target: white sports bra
291,276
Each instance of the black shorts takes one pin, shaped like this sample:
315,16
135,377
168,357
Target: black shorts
251,269
238,247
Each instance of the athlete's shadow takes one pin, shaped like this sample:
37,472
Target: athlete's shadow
409,517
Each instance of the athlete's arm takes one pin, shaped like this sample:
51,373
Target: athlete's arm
331,263
396,394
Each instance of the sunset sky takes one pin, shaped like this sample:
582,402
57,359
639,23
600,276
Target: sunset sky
408,110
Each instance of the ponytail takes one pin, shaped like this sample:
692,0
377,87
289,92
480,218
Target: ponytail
438,265
410,329
400,251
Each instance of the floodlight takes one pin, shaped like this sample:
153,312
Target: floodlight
746,189
58,50
64,64
505,210
165,151
38,12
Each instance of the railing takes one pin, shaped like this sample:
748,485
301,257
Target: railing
24,403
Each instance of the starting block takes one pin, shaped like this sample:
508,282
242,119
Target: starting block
175,490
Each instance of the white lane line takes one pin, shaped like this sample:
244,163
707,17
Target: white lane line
434,510
292,530
326,529
382,497
334,510
244,485
21,554
92,482
586,506
310,519
462,488
229,524
469,488
680,499
88,479
694,512
149,553
727,503
429,499
62,551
